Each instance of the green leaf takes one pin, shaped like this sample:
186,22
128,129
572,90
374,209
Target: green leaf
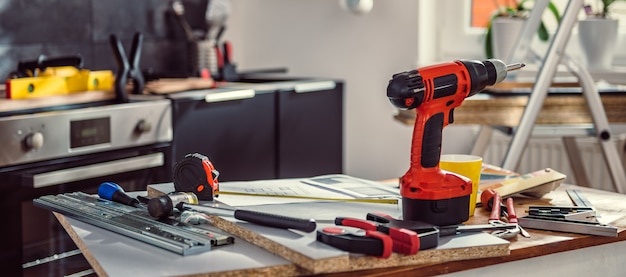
543,32
554,11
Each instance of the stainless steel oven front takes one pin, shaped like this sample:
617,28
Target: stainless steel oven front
76,149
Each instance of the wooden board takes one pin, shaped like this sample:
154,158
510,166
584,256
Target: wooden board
315,257
173,85
508,110
10,105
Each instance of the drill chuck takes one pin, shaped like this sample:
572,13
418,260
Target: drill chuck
488,73
485,73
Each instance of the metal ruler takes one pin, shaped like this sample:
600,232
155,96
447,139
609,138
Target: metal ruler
180,238
562,225
580,219
577,198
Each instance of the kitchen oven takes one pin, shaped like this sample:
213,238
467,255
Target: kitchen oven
74,149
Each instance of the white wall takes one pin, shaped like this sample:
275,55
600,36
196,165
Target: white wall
316,38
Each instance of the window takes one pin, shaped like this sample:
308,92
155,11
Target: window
482,11
458,27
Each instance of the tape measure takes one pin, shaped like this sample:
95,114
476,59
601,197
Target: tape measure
195,173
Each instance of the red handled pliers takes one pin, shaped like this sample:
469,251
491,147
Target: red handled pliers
497,213
428,234
405,241
377,240
372,243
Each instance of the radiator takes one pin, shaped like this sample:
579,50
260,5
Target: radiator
550,152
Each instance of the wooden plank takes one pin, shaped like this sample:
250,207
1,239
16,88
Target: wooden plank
173,85
508,110
507,86
81,245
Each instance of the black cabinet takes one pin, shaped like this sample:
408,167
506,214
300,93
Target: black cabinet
310,137
238,135
263,129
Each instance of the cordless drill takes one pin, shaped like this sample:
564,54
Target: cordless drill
430,194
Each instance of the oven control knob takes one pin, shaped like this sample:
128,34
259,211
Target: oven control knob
34,141
143,126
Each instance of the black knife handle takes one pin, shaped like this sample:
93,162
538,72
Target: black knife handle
278,221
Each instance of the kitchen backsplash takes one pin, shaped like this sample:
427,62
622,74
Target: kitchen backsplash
67,27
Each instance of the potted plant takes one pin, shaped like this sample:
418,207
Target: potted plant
519,10
597,35
601,9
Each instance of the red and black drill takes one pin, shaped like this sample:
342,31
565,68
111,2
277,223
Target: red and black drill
430,194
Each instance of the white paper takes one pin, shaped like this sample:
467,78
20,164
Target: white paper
330,187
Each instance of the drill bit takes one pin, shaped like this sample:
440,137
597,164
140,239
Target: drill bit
515,66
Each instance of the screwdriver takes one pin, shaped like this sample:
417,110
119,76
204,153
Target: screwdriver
113,192
161,207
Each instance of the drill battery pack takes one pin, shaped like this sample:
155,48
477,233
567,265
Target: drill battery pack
440,212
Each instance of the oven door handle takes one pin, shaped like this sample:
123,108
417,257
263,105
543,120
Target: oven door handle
314,86
80,173
229,95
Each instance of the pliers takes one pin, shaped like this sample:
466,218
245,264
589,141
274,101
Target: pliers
370,243
127,69
404,240
378,240
429,234
495,218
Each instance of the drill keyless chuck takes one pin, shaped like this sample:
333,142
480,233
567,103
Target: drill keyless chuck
503,69
500,69
486,73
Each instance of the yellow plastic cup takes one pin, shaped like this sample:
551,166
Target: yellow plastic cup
465,165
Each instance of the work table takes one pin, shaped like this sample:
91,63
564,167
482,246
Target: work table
611,206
